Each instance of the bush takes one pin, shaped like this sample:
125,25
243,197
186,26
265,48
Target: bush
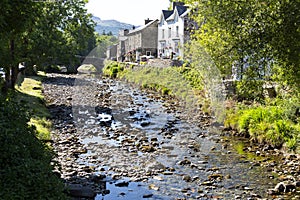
276,123
250,90
113,68
25,162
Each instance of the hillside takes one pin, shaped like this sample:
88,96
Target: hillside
110,26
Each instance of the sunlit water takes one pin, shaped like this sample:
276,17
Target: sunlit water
133,110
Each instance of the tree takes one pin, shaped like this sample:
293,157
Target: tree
43,32
63,33
261,33
103,42
16,17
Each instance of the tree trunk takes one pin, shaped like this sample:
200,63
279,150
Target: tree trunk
12,74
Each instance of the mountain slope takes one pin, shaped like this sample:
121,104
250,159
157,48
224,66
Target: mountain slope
113,26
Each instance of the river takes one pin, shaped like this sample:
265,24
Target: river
116,141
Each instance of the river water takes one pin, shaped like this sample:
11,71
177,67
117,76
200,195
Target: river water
148,147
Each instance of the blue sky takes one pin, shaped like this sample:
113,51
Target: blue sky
128,11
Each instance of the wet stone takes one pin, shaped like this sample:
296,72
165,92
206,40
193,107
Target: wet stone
184,162
122,184
77,190
147,196
187,178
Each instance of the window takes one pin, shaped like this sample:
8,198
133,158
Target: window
177,47
177,31
170,32
163,34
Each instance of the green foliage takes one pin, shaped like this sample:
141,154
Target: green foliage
250,90
265,32
182,82
276,122
43,33
113,68
193,76
103,42
25,169
165,91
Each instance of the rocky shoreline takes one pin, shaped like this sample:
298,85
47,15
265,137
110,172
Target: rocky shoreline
105,134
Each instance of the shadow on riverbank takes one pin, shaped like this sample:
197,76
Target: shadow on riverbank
26,169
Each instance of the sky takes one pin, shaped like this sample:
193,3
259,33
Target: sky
129,11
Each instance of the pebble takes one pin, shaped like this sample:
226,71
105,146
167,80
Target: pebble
159,178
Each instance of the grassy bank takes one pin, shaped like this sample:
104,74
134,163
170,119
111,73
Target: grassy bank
29,93
275,122
25,158
271,121
181,82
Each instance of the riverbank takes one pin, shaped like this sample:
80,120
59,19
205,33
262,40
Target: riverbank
26,158
114,140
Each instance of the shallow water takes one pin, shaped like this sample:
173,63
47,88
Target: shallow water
211,171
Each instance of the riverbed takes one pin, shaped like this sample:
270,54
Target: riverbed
117,141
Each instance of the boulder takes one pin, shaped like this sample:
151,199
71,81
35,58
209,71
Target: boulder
87,69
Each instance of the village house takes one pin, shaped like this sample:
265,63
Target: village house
171,31
111,52
163,38
121,45
141,41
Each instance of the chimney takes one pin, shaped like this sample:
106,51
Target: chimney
123,32
133,27
177,4
126,31
147,21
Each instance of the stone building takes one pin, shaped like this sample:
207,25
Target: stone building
141,41
111,52
121,45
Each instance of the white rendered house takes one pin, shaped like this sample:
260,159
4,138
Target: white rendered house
171,30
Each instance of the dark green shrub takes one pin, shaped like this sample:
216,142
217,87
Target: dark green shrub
250,90
25,162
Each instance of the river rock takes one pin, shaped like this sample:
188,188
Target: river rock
147,148
156,166
79,191
122,184
215,177
207,183
153,187
187,178
147,195
184,162
98,178
283,187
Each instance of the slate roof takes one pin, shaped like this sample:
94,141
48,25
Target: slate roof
141,27
167,13
181,9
